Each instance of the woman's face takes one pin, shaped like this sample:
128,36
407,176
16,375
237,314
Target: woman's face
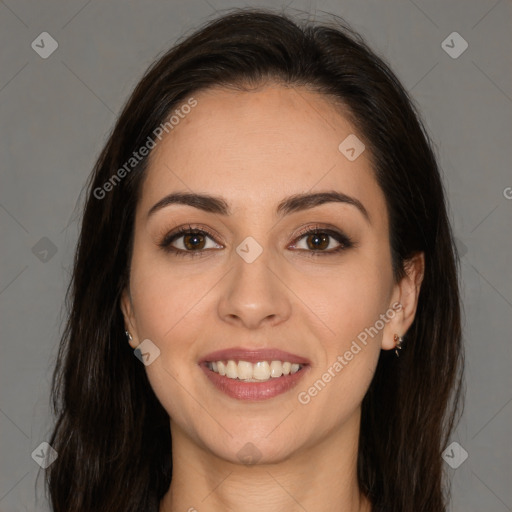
252,284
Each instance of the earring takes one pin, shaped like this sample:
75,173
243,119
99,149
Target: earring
128,335
398,344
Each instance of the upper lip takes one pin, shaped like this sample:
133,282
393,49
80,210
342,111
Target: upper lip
253,355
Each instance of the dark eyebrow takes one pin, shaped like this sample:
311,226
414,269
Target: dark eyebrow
297,202
305,201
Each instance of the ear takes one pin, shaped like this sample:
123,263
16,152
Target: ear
405,300
126,305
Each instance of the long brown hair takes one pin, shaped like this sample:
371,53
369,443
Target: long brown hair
111,433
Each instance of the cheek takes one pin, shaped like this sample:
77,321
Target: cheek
167,307
353,302
164,295
350,299
349,304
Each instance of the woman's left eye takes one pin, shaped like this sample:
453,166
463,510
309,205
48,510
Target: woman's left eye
323,241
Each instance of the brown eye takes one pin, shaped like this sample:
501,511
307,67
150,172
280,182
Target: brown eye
317,241
189,242
321,241
194,241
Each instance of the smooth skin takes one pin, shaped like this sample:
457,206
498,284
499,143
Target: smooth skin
254,149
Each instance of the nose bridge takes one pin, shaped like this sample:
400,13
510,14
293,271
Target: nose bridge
253,293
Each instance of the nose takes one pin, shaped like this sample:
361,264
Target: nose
253,294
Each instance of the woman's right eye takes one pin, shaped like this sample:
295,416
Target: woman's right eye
189,241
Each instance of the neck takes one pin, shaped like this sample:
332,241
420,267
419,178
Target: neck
320,477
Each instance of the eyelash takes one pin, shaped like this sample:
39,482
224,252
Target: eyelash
344,241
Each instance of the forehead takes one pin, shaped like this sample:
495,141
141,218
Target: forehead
255,147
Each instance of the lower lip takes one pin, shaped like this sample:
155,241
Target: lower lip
254,391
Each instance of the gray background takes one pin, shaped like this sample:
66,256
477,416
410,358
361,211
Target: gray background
57,112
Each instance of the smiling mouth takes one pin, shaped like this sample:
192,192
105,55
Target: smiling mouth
260,371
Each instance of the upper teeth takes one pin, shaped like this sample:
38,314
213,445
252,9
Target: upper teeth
249,372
